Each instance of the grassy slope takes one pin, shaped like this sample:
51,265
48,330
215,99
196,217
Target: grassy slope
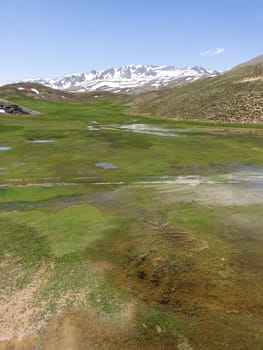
235,96
252,62
49,94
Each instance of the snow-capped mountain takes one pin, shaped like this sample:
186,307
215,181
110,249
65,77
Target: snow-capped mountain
129,79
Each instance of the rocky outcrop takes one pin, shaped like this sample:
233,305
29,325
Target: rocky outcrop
11,108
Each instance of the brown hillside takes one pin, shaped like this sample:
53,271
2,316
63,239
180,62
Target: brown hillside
235,96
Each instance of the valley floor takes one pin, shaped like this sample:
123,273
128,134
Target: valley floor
121,232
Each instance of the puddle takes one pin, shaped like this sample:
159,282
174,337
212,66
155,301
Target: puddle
106,165
221,174
3,168
4,148
161,130
249,177
244,186
147,129
242,173
41,141
136,128
90,127
238,188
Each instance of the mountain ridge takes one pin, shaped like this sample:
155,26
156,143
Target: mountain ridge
133,78
258,60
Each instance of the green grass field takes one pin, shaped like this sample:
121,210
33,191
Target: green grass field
151,263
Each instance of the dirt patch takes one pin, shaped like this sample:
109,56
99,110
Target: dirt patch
23,313
62,334
76,329
18,311
251,79
84,330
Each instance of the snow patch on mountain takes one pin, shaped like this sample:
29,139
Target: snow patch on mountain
130,79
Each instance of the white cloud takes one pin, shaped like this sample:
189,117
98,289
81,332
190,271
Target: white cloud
217,51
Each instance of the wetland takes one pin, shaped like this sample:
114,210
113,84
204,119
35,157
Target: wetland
127,232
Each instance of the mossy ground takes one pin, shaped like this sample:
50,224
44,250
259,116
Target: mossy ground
155,273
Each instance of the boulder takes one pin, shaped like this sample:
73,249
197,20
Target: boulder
11,108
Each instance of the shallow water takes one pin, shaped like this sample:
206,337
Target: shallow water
106,165
233,189
163,130
42,141
136,128
4,148
252,178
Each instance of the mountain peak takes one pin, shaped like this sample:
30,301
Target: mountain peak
131,78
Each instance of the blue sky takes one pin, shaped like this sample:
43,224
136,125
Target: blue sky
50,38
